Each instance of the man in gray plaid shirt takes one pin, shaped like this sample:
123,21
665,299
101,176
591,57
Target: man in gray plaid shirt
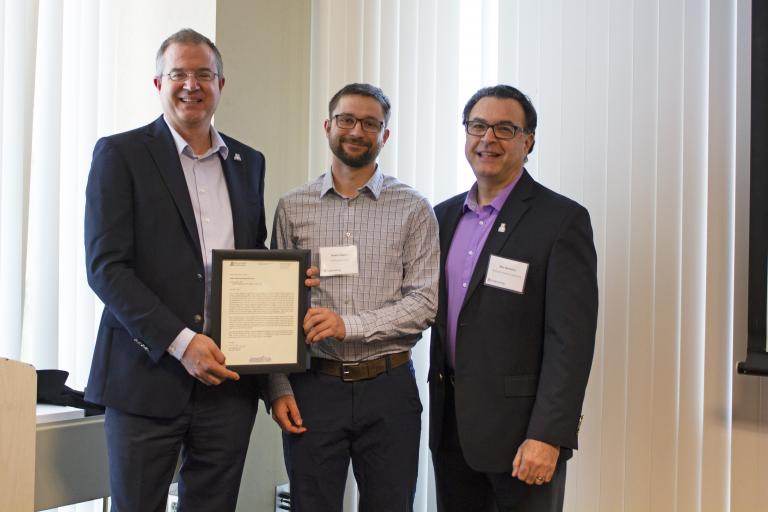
375,242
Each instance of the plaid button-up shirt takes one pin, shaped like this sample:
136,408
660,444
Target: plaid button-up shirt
393,298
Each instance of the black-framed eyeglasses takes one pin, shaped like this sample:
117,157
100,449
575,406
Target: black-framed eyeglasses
348,122
503,130
201,75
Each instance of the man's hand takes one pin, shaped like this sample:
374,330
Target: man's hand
205,361
535,462
321,323
313,277
286,413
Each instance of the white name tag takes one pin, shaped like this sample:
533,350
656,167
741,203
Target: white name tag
506,274
338,261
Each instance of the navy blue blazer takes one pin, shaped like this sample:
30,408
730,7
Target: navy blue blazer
522,360
144,262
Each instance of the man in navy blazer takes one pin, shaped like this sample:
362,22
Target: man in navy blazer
159,199
512,345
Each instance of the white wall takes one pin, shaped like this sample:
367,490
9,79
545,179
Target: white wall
141,26
265,45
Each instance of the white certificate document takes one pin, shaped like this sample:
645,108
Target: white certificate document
506,274
338,261
259,305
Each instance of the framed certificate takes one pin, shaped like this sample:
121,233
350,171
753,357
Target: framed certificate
258,303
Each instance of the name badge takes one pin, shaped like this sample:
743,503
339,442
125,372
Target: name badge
338,261
506,274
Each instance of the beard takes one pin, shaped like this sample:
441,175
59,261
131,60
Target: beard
356,161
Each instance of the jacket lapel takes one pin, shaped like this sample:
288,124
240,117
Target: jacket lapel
233,174
513,210
448,223
163,150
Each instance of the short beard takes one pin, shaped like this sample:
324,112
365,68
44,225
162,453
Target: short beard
356,162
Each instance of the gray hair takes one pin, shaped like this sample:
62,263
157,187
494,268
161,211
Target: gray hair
187,36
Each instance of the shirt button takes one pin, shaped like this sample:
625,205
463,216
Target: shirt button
197,318
471,253
207,219
348,234
481,222
464,285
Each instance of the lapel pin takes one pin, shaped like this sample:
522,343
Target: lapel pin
502,227
237,157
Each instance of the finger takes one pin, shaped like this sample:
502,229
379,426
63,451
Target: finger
316,332
218,355
220,373
312,312
524,472
516,464
291,419
281,417
311,320
293,410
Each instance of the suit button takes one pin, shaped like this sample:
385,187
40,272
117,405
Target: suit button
197,318
199,276
440,377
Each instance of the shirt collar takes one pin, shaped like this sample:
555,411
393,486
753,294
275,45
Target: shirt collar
470,202
217,143
374,184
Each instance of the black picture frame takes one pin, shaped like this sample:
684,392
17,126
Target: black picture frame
756,362
220,257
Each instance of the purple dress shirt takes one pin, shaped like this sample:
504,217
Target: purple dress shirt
467,243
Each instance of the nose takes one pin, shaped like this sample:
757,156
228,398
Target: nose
191,83
489,135
357,129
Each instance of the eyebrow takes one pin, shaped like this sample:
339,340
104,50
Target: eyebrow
353,115
481,120
185,69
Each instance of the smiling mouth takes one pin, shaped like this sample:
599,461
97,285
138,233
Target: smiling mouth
190,100
355,143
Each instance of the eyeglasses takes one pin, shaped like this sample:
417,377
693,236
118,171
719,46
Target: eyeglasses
348,122
501,130
201,75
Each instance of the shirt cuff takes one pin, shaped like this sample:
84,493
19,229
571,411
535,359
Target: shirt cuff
279,385
179,345
353,326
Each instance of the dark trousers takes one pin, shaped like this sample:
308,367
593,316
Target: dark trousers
375,423
212,435
462,489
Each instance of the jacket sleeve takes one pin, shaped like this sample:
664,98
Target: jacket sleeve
570,321
110,248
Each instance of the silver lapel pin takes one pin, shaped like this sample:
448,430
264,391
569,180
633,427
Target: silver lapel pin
502,227
237,157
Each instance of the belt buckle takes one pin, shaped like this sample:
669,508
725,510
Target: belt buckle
346,370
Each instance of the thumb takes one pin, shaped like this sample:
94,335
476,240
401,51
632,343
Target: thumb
217,354
294,411
516,463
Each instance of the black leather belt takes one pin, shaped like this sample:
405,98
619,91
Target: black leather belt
362,370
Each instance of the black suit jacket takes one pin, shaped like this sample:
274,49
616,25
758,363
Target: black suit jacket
144,262
522,360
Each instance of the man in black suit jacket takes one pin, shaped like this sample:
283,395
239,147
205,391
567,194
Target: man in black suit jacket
158,199
514,336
